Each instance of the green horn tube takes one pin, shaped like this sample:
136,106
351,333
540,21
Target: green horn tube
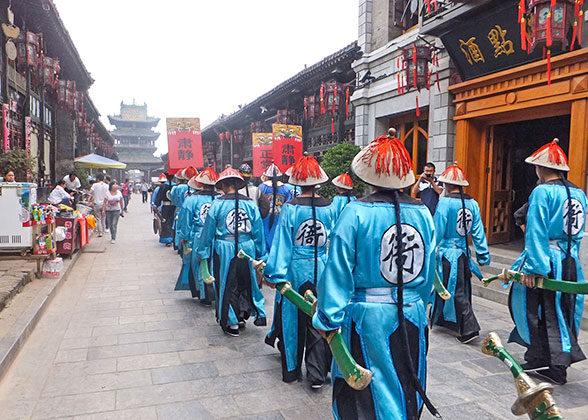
534,400
356,376
206,277
540,282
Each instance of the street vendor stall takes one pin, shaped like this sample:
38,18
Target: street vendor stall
98,162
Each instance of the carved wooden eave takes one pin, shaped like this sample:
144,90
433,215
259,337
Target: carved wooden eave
524,87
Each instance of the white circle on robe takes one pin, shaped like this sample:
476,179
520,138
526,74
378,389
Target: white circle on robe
578,216
204,211
305,234
468,222
413,256
244,222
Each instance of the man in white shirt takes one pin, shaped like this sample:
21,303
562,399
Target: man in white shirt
72,182
59,195
97,196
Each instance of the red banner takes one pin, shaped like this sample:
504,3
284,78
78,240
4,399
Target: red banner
287,145
184,142
5,127
262,152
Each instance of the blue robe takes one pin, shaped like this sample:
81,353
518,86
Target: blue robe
166,212
292,259
177,196
546,322
357,292
339,203
238,295
283,194
190,223
453,265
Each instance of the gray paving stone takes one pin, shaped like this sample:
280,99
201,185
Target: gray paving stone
221,407
148,361
96,383
154,395
144,413
120,350
261,401
92,367
144,337
78,343
185,372
72,405
188,410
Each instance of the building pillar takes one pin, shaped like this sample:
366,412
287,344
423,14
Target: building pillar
65,143
365,25
578,153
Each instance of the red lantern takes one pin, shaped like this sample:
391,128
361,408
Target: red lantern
228,135
332,93
551,20
221,136
416,65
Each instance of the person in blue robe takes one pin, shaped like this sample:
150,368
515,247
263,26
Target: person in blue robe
277,194
177,195
457,217
233,223
375,286
190,223
298,255
547,323
166,211
344,185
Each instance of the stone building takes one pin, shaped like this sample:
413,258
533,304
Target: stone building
493,105
135,138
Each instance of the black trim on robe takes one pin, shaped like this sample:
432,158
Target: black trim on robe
385,196
352,404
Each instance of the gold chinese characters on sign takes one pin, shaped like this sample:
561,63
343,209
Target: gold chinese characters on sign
497,37
472,50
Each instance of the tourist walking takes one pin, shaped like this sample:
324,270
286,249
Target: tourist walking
97,195
144,191
113,209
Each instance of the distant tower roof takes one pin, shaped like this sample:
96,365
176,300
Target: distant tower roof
133,114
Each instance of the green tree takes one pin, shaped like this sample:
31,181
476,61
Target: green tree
336,161
17,160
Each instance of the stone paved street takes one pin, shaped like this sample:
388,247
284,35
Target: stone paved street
119,343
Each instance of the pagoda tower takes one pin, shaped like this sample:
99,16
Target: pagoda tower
134,138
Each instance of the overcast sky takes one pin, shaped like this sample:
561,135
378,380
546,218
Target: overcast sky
196,58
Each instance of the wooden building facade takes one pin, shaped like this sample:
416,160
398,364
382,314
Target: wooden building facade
44,91
296,101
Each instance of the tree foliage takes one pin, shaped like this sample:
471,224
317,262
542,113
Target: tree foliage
17,160
336,161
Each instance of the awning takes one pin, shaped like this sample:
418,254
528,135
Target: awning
96,161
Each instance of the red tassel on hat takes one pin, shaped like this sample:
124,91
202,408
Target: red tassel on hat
388,152
555,154
549,67
305,167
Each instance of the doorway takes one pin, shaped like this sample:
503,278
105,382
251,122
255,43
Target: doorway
511,180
